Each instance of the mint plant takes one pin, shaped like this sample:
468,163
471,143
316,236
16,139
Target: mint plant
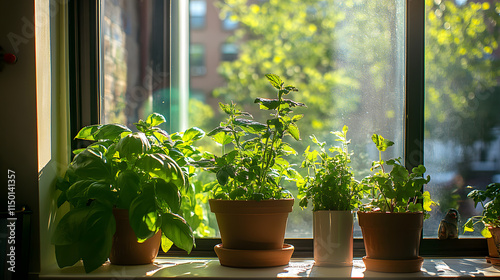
398,190
330,183
146,172
254,165
490,201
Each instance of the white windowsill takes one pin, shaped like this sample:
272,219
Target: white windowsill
199,268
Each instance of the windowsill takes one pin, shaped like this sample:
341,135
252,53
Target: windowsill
199,268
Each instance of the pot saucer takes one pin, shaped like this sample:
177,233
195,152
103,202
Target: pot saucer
393,265
493,261
254,258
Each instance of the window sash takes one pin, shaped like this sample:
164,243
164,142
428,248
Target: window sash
84,107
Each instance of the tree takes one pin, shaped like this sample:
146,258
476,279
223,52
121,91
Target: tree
462,71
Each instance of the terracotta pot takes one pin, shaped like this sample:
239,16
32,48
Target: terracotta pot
125,249
495,242
391,236
252,225
333,242
492,248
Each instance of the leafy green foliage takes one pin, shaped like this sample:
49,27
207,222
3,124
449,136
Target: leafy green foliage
398,190
490,201
461,71
146,172
330,184
255,167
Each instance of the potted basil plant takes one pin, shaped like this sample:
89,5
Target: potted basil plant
125,191
391,222
249,202
334,193
490,217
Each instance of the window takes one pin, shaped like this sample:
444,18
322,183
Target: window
198,11
353,62
228,23
462,126
229,52
197,60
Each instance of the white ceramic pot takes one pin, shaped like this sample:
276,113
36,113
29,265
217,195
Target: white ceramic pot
333,238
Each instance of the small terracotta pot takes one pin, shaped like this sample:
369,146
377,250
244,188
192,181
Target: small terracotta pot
495,242
125,249
333,242
252,225
391,236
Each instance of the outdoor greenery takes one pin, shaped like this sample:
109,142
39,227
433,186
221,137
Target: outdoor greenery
255,165
490,202
397,190
146,172
461,75
330,183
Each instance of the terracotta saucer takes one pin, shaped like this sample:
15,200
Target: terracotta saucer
393,265
254,258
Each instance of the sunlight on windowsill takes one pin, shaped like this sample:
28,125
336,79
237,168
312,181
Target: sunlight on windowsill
169,267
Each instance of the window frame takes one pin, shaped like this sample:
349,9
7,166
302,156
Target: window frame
84,110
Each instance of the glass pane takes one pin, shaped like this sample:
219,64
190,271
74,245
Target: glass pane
462,124
346,58
134,61
198,11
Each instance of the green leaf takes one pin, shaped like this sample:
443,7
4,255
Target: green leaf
238,192
133,145
226,108
275,80
75,193
193,134
222,176
61,199
155,119
110,131
294,131
486,233
67,255
95,245
297,118
222,138
143,217
62,184
272,104
70,228
178,231
91,164
167,195
82,191
218,130
166,243
87,133
128,188
250,126
469,225
381,143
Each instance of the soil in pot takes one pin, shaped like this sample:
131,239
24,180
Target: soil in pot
390,239
125,249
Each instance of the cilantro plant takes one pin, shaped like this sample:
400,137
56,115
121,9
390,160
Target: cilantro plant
254,165
330,183
146,172
397,190
490,201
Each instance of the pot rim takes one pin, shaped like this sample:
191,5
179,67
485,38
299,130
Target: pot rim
251,206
